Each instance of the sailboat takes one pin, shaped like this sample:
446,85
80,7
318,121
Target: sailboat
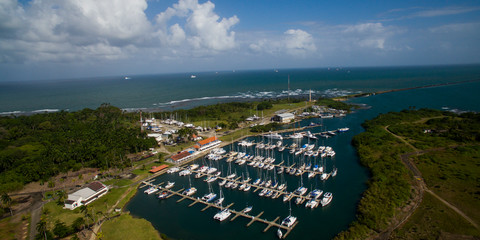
209,196
290,220
279,233
190,191
220,199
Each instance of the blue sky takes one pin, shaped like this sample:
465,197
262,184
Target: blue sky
56,39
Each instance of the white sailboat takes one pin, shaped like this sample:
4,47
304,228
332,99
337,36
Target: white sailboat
290,220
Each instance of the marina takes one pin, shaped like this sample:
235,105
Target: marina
263,172
260,167
237,214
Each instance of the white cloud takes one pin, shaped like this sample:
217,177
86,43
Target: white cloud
420,12
299,42
367,35
206,31
295,42
72,30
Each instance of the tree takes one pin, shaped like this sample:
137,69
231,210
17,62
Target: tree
74,237
7,202
62,195
61,230
78,224
43,232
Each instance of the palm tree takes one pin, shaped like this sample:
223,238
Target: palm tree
7,202
42,228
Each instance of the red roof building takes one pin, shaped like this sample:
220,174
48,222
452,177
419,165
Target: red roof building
182,156
159,168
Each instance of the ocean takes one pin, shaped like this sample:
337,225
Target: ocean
172,91
165,92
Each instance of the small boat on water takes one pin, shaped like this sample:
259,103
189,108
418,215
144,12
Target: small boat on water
323,176
164,195
222,215
247,209
247,188
327,198
287,197
274,136
219,201
222,182
151,190
290,220
279,233
173,170
190,191
312,203
170,185
334,172
209,197
301,190
316,193
193,166
296,136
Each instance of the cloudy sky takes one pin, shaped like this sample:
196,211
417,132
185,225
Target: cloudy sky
56,39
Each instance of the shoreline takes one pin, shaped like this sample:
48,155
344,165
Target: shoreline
345,98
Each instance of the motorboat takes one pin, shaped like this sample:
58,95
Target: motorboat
312,203
316,193
301,190
164,195
247,209
170,185
190,191
151,190
274,136
327,198
209,197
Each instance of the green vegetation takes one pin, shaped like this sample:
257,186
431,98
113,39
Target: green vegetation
329,102
8,228
127,227
225,113
451,172
431,220
265,128
454,175
40,146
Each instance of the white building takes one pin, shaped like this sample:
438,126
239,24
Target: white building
86,195
283,117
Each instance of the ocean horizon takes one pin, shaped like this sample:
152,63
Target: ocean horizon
164,92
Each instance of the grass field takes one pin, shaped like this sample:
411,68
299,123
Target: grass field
431,219
126,227
8,228
56,212
454,175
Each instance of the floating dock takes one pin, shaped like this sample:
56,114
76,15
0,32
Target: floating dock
237,214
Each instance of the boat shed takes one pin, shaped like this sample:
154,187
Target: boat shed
86,195
207,143
159,168
283,117
180,157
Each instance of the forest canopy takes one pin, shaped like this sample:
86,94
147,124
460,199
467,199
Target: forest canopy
40,146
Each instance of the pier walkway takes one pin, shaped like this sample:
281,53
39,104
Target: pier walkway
237,214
